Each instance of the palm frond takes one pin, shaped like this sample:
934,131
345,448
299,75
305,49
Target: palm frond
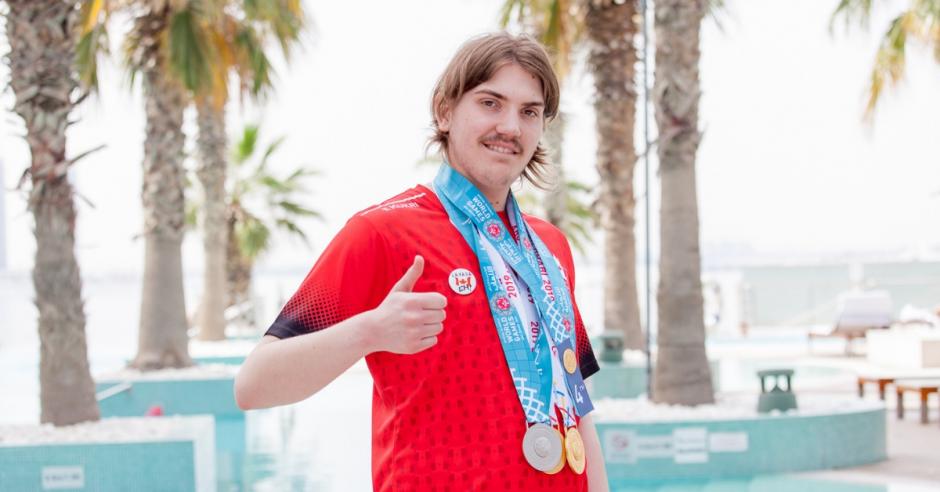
851,11
93,41
556,34
270,150
253,236
273,184
91,11
508,8
190,51
282,207
578,235
284,19
223,61
245,147
920,21
890,60
255,68
557,24
580,219
715,10
293,208
291,227
132,49
301,173
92,44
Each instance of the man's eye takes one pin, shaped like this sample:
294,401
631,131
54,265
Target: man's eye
489,103
532,113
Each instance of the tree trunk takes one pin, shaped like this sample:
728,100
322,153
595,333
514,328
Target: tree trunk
162,338
211,172
42,37
556,199
612,55
238,270
682,372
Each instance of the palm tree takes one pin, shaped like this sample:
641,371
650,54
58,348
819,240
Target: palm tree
682,372
920,20
611,28
608,28
249,231
234,40
160,47
42,36
182,48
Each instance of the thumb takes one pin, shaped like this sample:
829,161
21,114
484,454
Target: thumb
407,281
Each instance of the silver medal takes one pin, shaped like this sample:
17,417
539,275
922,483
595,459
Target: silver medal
542,447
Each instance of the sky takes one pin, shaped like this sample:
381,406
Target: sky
786,165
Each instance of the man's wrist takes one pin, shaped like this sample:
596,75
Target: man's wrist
363,332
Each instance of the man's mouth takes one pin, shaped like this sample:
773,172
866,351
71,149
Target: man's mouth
502,148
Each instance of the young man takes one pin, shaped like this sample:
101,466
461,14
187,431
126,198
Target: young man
461,305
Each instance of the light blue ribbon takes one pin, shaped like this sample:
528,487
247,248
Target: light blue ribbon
475,218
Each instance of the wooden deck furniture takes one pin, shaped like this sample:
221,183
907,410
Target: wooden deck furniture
923,387
881,381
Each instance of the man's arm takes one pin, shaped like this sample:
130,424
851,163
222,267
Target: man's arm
596,471
278,372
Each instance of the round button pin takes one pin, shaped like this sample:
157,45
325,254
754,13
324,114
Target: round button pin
462,281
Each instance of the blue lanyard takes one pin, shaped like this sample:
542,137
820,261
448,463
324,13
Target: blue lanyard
476,220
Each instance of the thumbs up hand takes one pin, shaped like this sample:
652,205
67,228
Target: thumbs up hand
408,322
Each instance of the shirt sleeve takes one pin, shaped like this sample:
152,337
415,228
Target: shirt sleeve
586,359
347,279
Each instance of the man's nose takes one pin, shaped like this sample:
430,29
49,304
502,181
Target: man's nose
509,125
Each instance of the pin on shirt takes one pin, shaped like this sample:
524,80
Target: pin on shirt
462,281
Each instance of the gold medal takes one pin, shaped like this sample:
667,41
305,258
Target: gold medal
574,450
544,449
571,363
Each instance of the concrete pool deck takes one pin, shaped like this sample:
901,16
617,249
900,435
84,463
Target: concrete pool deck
913,457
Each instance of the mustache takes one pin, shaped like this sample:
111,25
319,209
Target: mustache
516,146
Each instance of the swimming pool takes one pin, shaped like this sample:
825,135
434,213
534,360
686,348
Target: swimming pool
323,444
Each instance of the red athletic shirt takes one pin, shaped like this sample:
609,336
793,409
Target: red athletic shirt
447,418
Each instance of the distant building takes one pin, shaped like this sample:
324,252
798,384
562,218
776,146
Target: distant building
3,225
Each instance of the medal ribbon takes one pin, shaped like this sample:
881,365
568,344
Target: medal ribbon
483,230
521,298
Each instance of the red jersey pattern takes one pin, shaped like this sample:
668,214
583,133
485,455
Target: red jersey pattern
447,418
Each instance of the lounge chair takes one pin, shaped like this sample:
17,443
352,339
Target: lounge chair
857,312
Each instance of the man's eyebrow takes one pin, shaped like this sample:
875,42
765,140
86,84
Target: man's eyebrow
503,98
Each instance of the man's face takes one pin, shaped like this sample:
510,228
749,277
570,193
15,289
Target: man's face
494,129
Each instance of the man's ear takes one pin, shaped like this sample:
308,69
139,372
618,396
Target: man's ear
443,117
